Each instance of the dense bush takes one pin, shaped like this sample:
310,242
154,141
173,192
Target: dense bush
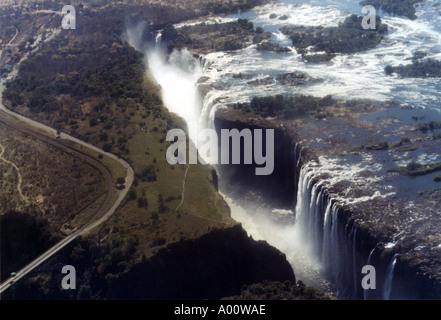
405,8
23,238
285,107
280,291
217,36
274,47
430,126
147,174
417,69
348,37
417,169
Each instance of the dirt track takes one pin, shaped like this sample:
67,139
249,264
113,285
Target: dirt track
105,173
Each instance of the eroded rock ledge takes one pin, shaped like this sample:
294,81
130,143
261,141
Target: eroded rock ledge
376,211
213,266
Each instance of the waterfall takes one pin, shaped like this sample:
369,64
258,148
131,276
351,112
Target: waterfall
331,240
325,257
389,278
335,247
209,107
320,241
158,38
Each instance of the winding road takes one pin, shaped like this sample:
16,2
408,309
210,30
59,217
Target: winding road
51,134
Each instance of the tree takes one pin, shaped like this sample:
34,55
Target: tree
142,202
389,70
413,166
132,195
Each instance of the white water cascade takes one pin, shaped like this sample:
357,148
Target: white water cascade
321,245
317,245
389,278
326,236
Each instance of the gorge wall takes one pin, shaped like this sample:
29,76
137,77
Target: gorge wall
215,265
342,243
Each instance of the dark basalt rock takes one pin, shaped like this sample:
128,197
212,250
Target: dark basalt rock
261,82
369,224
211,267
214,265
296,79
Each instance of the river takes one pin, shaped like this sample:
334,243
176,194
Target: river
356,76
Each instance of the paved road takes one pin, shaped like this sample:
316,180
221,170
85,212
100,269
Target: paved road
52,134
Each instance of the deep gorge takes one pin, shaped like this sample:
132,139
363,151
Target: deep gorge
339,243
342,244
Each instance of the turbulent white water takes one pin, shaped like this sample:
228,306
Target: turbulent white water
178,75
319,247
389,278
358,75
325,236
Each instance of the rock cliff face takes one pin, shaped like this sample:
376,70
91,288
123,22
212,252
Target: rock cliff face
211,267
215,265
280,189
402,272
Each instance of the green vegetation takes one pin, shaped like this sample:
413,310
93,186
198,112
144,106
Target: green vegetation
418,55
429,126
7,29
53,181
402,146
261,36
219,7
437,178
298,106
274,47
405,8
280,291
296,78
378,147
400,143
417,169
406,148
89,88
428,68
348,37
24,237
91,84
212,37
317,58
91,73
